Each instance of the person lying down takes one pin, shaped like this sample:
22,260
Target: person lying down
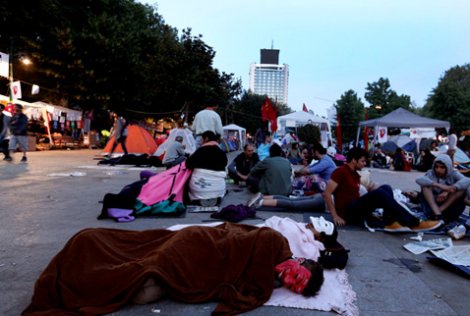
100,270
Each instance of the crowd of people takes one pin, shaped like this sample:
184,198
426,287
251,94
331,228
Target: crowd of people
282,175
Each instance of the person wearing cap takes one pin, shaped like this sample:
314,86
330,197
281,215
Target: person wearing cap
4,123
345,204
175,154
19,132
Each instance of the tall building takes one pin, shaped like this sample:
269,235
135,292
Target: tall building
269,77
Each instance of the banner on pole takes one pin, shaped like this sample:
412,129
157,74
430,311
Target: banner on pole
16,90
4,65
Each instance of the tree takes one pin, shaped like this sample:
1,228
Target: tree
351,111
309,134
116,55
384,100
450,100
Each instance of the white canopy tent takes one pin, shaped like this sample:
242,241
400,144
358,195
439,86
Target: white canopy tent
237,132
301,118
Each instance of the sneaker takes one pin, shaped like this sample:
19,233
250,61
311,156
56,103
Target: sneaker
254,200
396,227
7,159
24,159
426,225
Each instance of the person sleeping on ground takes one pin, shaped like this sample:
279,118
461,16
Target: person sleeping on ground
100,270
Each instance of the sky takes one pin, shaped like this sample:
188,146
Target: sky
332,46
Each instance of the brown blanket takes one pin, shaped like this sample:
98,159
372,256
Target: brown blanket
100,270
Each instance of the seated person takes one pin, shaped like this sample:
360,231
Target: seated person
379,159
426,159
443,190
208,162
311,203
306,156
399,161
293,153
263,148
272,175
175,153
241,166
347,206
320,171
125,266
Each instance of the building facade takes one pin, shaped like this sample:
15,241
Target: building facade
269,77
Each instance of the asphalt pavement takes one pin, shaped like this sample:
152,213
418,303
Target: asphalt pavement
57,193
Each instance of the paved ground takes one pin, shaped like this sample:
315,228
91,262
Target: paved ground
40,212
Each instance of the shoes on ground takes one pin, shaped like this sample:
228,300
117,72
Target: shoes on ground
255,200
396,227
426,225
7,159
24,159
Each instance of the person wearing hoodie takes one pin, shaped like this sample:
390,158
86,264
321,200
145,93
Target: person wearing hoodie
443,190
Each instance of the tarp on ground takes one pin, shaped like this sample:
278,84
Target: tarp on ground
402,118
138,141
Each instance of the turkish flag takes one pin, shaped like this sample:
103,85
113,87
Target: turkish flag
305,108
366,133
15,90
269,113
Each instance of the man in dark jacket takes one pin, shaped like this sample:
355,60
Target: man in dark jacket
19,132
241,166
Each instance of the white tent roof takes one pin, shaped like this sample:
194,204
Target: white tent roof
302,117
234,127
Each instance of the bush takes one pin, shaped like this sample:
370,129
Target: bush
309,134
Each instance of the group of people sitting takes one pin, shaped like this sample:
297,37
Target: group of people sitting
149,272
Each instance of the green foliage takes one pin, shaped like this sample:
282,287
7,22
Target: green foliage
383,100
309,134
117,55
351,111
450,100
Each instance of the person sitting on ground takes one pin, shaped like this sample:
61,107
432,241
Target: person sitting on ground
399,161
293,153
241,166
125,266
175,153
426,159
349,207
312,203
320,171
306,156
443,190
272,175
208,162
379,159
263,148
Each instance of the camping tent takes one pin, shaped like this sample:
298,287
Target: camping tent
301,118
139,141
235,133
402,118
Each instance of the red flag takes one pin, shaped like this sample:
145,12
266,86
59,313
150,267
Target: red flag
269,113
339,141
366,133
305,108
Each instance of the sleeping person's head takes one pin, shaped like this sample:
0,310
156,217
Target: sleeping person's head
323,230
300,275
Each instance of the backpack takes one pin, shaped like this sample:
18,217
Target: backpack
334,256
